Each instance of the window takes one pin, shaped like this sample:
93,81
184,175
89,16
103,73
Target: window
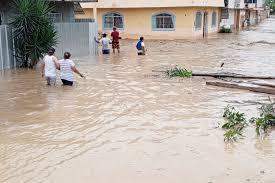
163,21
2,18
198,21
214,19
250,1
113,19
56,17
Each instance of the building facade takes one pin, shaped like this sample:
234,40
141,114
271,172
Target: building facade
239,14
169,19
64,10
74,37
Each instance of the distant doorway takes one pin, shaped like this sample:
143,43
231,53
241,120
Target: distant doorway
205,24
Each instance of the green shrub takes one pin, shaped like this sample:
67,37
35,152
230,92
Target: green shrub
179,72
234,125
34,31
236,122
266,119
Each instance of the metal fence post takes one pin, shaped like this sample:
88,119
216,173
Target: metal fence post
1,50
7,45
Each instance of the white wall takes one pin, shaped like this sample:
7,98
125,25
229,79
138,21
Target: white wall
233,3
260,3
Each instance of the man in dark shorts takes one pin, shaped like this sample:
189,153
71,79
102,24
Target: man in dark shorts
115,41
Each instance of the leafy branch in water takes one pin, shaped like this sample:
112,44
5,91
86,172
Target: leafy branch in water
235,123
179,72
266,119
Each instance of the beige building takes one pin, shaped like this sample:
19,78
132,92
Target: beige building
165,19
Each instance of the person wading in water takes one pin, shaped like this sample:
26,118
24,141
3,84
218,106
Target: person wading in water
67,67
49,66
141,46
105,43
115,41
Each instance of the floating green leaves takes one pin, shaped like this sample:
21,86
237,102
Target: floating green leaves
266,119
179,72
236,122
234,125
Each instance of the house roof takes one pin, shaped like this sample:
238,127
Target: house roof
76,0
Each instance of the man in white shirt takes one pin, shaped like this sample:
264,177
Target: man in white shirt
49,66
105,44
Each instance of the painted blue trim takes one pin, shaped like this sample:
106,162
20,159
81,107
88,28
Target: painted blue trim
153,22
102,21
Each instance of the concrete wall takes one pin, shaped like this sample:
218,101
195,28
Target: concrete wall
88,13
138,22
153,3
260,3
236,4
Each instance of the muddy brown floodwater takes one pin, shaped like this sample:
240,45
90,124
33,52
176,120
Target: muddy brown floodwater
123,125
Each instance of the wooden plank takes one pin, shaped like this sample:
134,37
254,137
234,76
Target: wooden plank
224,75
232,75
243,86
264,83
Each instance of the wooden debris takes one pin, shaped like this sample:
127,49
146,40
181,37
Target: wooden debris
224,75
264,83
232,75
243,86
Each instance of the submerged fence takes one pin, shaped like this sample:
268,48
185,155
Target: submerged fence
7,60
77,38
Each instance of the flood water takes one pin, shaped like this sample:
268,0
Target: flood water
126,124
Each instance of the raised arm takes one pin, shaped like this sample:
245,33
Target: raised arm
96,40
